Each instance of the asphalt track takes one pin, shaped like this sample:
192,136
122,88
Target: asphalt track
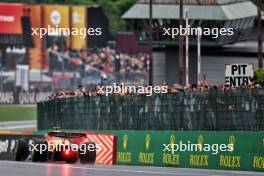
11,168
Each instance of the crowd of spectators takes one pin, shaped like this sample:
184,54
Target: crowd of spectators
175,88
204,87
122,65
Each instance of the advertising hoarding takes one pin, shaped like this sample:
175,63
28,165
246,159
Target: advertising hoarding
78,21
10,18
35,54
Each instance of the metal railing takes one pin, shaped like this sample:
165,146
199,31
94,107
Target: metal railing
217,110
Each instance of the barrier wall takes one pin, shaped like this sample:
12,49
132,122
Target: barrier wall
146,148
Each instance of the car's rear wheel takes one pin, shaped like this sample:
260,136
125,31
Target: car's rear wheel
21,150
88,156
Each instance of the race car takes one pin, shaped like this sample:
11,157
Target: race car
60,146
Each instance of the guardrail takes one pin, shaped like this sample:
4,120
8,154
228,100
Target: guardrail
237,110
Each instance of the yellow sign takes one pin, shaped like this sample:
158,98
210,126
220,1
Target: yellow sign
56,16
78,22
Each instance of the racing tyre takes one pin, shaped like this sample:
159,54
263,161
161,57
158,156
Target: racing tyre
21,150
90,155
36,155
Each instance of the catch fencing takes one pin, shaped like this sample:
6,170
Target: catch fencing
216,110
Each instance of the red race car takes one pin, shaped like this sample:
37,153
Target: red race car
57,146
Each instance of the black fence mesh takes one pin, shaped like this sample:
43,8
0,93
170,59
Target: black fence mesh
236,110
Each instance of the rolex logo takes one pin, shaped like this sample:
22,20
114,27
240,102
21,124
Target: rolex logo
148,139
125,140
172,140
200,142
232,141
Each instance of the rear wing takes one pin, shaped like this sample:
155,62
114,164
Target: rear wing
67,135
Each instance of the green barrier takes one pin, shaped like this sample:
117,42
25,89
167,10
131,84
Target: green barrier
146,148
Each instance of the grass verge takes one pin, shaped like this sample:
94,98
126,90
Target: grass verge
17,112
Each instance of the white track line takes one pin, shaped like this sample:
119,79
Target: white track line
13,125
17,122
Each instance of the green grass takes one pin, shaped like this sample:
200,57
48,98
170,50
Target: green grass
17,112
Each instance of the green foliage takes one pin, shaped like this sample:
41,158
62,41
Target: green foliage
259,76
114,10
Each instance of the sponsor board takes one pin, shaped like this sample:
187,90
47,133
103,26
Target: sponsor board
147,148
10,18
23,97
78,20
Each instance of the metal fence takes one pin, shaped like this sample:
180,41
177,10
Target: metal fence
237,110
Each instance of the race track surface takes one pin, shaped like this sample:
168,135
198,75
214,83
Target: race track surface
11,168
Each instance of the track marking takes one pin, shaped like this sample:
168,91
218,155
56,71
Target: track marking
17,122
105,169
12,125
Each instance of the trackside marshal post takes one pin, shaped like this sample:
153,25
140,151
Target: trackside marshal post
239,74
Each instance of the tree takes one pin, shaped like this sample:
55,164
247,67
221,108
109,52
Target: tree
114,10
259,76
